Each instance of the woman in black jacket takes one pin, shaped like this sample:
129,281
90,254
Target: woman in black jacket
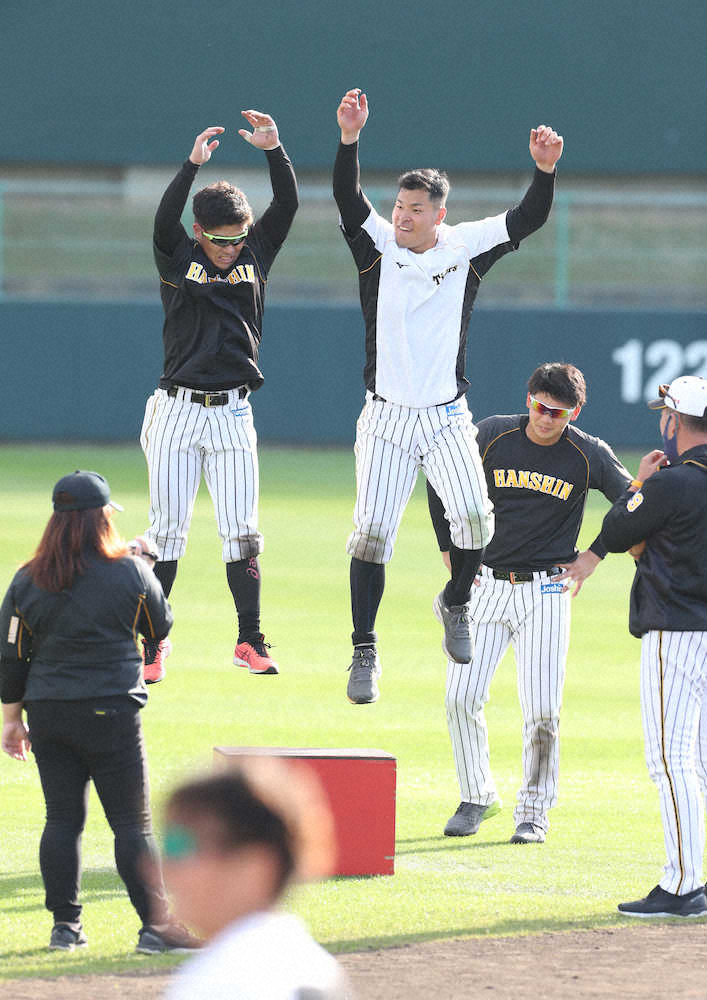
69,658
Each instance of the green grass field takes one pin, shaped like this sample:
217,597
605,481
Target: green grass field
605,843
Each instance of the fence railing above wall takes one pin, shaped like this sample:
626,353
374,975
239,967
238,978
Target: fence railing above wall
76,240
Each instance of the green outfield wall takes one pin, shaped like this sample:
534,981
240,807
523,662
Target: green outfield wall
83,371
457,84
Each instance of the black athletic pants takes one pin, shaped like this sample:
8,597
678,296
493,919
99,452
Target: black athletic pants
74,742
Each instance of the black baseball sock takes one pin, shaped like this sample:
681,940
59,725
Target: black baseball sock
367,583
465,565
244,580
165,573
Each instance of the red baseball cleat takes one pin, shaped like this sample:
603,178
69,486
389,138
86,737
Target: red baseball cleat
253,653
154,653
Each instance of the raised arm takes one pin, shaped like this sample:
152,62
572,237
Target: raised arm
352,203
277,218
527,217
168,230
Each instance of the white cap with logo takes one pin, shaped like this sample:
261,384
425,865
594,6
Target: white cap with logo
686,394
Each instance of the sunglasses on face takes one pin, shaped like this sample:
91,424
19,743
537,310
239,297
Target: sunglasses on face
179,843
556,412
226,241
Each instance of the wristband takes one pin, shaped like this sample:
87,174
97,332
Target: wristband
636,483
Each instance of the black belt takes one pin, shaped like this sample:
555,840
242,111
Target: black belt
209,398
514,576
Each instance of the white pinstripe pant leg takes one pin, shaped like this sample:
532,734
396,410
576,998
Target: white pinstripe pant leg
231,474
540,640
673,682
468,687
386,470
170,439
452,464
702,749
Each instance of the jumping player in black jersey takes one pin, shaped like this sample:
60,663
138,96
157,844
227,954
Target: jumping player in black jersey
199,420
539,470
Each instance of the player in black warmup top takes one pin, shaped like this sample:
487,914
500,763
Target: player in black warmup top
199,419
539,470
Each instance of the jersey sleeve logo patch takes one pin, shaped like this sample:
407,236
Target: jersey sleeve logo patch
635,501
12,630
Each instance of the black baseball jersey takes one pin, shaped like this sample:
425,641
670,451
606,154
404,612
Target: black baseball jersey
417,306
669,513
538,492
213,318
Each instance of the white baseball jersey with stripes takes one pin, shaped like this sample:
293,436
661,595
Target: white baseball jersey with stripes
674,712
182,441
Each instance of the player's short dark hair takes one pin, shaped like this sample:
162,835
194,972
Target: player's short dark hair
561,381
221,204
427,179
698,425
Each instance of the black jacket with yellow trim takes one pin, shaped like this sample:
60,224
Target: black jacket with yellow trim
82,642
669,512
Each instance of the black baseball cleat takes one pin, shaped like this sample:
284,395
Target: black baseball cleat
528,833
66,937
362,688
468,818
172,937
659,903
457,643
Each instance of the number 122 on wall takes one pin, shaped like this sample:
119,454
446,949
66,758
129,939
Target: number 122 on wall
646,366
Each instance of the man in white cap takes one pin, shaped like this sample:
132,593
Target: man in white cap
662,521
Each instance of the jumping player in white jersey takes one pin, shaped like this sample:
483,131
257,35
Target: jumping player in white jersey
662,521
418,278
539,470
199,420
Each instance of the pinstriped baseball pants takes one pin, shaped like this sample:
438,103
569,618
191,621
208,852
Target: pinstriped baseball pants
537,625
392,443
183,440
674,712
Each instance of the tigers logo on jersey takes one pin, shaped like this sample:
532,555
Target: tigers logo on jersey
635,501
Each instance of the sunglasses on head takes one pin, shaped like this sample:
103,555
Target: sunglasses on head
226,241
663,392
556,412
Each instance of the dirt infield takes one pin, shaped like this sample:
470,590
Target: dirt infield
653,962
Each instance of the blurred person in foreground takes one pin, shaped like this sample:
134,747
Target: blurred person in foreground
233,843
69,659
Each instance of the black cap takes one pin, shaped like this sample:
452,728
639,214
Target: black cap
82,491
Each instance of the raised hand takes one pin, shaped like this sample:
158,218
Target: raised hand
203,149
650,463
352,115
545,147
264,134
